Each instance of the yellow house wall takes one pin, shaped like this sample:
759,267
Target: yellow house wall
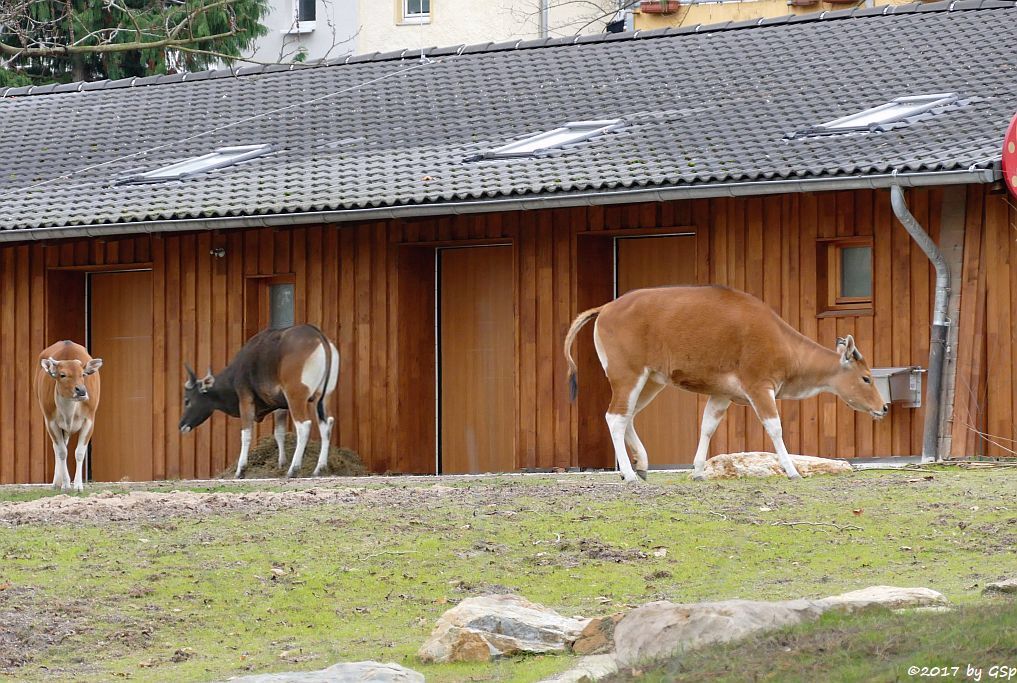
719,12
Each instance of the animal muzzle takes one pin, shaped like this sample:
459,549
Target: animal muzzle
185,428
80,394
880,414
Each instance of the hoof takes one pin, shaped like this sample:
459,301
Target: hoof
241,474
291,473
633,480
79,488
317,472
794,477
698,477
641,474
57,487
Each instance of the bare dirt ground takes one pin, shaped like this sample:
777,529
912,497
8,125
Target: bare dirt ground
126,502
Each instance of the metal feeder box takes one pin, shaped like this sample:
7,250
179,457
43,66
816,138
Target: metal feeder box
900,386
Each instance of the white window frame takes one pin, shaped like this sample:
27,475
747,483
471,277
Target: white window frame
419,18
556,138
297,26
219,158
891,112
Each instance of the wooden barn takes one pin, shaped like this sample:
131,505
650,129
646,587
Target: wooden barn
444,214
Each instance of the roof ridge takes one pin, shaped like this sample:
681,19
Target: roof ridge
520,44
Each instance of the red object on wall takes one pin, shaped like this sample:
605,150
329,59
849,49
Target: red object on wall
1010,157
659,6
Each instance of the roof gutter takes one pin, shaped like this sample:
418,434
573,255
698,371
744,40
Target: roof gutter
525,203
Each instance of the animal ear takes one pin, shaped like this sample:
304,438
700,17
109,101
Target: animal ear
49,365
847,350
192,379
206,382
93,366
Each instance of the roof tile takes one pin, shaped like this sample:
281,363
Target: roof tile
703,104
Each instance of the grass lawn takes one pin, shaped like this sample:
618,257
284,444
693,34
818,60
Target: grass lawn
975,643
195,592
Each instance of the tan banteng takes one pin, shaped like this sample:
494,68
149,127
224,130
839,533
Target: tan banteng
67,386
719,342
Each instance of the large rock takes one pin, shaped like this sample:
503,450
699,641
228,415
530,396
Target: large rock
890,597
352,672
758,464
598,635
660,629
1004,586
492,626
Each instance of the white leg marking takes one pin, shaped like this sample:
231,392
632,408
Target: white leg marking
650,391
314,369
303,431
619,425
61,478
80,451
632,439
776,433
280,417
245,446
715,410
325,430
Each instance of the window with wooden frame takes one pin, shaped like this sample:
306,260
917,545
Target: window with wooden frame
845,276
270,303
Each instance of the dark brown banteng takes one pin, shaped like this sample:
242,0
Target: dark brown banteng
293,371
716,341
67,386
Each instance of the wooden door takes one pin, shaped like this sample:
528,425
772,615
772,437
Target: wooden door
477,360
120,332
669,426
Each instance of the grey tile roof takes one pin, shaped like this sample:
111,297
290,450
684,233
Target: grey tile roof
700,105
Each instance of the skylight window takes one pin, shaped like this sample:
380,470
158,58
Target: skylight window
891,112
570,133
220,158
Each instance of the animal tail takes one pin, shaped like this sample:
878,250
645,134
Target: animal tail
577,324
327,347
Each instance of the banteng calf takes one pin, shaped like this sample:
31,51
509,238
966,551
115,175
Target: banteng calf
716,341
293,370
67,386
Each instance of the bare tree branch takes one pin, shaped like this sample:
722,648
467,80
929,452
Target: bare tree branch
106,47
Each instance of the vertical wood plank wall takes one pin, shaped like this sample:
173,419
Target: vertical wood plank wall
350,278
985,406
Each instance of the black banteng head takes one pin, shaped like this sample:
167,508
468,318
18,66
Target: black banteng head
198,405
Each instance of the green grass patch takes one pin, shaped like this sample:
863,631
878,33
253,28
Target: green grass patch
199,597
973,642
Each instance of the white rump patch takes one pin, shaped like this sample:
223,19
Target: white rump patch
314,369
600,349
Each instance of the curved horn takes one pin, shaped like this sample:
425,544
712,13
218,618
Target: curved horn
209,373
192,379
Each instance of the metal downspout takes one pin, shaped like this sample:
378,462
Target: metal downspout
940,322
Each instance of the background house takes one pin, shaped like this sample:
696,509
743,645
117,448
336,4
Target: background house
322,29
375,202
653,14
